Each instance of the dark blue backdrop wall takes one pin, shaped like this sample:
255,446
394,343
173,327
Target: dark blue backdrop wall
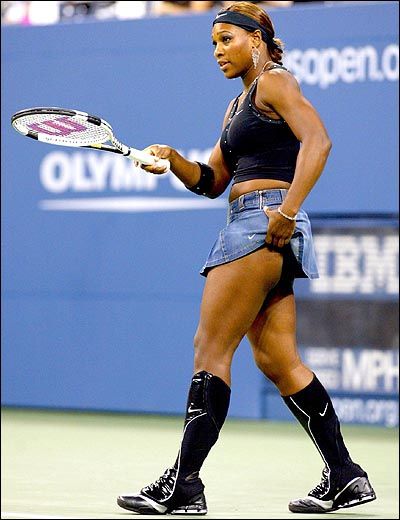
100,260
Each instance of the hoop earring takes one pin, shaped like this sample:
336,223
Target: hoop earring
255,56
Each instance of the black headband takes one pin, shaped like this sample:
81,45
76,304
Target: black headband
241,20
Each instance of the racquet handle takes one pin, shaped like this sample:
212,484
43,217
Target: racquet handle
147,159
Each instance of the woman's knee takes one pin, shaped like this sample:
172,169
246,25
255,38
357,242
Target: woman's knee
211,347
277,370
201,342
265,364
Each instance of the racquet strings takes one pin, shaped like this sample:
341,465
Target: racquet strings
65,130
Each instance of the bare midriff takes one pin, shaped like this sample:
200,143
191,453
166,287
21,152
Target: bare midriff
255,185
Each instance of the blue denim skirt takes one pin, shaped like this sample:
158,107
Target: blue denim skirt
246,230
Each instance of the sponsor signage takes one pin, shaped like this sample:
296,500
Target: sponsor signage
328,66
363,384
101,182
353,261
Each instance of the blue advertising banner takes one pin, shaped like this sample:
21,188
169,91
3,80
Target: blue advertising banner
100,260
363,384
355,260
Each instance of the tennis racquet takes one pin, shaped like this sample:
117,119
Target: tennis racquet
66,127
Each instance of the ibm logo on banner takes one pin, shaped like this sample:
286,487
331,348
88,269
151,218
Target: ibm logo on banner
357,264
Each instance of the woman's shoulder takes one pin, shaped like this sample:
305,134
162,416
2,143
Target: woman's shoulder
277,77
276,70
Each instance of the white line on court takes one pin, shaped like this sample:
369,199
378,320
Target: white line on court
7,514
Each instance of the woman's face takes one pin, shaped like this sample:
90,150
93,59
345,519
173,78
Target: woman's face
232,49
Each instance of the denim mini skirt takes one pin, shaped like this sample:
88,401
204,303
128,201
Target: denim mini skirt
246,230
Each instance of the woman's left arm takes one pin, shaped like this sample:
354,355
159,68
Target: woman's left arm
280,90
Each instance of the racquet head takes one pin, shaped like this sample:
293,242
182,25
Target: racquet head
67,127
62,126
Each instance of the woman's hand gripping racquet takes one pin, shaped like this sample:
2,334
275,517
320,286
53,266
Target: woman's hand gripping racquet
74,128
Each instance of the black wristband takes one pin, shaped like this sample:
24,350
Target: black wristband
203,187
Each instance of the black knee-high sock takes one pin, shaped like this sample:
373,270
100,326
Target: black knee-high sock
314,410
206,410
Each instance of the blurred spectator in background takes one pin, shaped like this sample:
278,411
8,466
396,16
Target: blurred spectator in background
75,10
78,10
14,13
265,4
29,13
161,8
51,12
130,10
288,3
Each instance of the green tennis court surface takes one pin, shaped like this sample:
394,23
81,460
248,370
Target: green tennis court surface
73,465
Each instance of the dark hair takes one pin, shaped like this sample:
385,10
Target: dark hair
263,19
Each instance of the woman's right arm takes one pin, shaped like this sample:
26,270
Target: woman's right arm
189,172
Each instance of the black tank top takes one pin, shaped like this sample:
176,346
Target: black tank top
257,147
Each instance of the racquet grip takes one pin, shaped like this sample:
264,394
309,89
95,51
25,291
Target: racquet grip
147,159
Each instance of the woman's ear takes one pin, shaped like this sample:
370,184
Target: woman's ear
257,38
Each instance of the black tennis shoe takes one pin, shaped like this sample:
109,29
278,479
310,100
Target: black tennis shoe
347,487
168,496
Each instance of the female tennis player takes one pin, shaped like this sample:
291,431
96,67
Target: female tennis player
272,150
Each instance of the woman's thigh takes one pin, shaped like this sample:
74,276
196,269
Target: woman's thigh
232,297
273,339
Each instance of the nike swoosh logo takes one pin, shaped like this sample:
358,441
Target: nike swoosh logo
191,410
237,113
219,15
251,236
324,412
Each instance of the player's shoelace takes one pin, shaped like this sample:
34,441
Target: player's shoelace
323,487
165,482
